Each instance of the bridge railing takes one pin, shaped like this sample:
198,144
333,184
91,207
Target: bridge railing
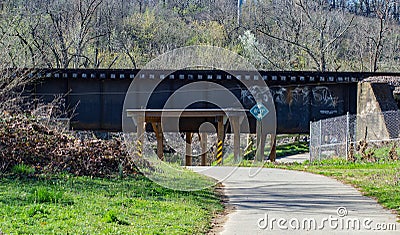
370,135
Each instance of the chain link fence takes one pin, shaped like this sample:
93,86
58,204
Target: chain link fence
341,136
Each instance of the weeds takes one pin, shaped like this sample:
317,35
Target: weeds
37,210
393,155
366,154
111,217
45,195
23,170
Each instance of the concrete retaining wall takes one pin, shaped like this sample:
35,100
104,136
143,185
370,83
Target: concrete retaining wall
373,100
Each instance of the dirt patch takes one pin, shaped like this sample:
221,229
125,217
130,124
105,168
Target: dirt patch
217,223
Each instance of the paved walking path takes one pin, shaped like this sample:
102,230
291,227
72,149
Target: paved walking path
297,198
299,158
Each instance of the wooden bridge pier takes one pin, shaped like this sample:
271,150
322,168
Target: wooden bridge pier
204,149
160,139
188,156
141,117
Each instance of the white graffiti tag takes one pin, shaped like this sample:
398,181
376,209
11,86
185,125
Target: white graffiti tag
254,94
316,96
323,96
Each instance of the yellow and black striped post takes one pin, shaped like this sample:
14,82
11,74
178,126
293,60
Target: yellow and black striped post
139,148
220,143
220,146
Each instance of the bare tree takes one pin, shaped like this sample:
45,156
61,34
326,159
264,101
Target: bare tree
323,35
310,28
376,40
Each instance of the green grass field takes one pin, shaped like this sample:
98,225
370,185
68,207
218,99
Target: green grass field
65,204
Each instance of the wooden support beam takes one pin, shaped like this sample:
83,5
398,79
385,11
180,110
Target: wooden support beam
272,156
236,138
140,126
263,139
160,137
204,150
160,146
140,120
188,157
260,142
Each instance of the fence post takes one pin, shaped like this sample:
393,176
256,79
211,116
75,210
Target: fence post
320,140
347,135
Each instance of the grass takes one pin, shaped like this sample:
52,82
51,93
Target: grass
282,150
291,149
23,170
65,204
380,180
173,176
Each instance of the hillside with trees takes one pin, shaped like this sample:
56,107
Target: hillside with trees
322,35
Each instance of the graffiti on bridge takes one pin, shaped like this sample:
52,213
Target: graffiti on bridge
306,95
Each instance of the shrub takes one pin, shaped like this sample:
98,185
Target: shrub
34,143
